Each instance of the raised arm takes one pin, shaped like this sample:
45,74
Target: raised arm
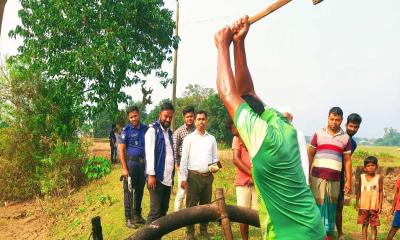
243,80
225,80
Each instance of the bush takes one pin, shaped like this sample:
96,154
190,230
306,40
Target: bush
96,167
17,165
60,171
360,154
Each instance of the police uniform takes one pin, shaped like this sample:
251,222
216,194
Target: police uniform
133,138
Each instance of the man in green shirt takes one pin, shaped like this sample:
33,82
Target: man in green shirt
287,208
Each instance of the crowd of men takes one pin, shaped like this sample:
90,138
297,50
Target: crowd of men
297,191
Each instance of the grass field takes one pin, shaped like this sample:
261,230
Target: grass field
104,197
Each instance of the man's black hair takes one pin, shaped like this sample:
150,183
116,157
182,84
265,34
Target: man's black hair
132,109
229,122
370,159
201,112
354,118
255,104
167,106
336,111
188,109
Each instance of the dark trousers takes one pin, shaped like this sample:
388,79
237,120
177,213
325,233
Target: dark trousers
113,148
199,192
136,172
159,201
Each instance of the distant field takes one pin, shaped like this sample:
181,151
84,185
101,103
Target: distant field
387,156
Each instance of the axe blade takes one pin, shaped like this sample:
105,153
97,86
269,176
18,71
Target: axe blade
315,2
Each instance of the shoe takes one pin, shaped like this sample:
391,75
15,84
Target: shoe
138,219
206,235
130,224
189,236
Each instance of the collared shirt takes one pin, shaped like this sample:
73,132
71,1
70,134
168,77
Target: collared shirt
133,138
328,160
179,135
198,151
169,156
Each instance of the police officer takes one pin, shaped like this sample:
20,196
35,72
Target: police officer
131,151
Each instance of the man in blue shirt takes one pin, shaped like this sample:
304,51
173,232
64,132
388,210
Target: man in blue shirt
113,145
352,125
133,166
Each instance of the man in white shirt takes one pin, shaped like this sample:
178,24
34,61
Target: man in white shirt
199,156
287,112
160,162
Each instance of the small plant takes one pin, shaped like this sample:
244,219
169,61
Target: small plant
360,154
96,167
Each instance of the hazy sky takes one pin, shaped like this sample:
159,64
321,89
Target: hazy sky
309,58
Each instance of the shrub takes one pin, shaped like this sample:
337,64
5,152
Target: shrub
60,171
360,154
96,167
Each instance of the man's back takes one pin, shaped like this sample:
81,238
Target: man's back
288,206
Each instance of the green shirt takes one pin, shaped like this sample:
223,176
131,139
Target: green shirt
287,206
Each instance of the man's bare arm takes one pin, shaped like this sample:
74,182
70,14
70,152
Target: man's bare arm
347,169
243,80
225,80
122,154
239,164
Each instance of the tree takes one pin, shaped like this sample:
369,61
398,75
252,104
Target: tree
390,138
96,48
2,6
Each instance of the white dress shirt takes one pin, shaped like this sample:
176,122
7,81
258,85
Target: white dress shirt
198,151
150,140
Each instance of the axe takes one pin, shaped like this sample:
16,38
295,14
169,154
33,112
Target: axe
272,8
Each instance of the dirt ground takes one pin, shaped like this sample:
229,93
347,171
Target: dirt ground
28,220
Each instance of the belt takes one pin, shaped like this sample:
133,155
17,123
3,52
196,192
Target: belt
199,173
136,159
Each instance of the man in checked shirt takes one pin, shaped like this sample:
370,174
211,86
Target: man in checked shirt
180,133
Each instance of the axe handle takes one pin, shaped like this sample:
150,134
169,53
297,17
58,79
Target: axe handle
268,10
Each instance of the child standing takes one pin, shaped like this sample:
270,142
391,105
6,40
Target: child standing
369,197
396,211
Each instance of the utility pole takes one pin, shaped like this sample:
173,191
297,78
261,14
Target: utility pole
173,125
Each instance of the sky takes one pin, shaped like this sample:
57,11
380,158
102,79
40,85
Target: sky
305,57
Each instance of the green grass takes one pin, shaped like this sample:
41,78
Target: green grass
387,156
104,198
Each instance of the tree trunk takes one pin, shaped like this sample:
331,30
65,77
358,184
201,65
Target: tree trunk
2,6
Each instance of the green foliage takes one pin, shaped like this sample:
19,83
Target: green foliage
360,154
96,167
60,171
390,138
96,48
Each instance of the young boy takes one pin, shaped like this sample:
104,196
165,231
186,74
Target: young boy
369,197
396,211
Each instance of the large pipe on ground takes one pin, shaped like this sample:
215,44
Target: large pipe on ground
193,215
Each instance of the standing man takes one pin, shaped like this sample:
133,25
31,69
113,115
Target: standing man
246,195
352,125
113,143
302,145
131,151
180,133
160,162
329,151
199,151
272,144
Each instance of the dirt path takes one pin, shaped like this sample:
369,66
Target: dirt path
23,221
28,220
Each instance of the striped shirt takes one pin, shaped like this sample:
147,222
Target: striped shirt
328,160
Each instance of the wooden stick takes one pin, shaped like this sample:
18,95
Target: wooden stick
268,10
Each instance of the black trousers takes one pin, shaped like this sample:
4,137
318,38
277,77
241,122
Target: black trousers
136,172
114,150
159,201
